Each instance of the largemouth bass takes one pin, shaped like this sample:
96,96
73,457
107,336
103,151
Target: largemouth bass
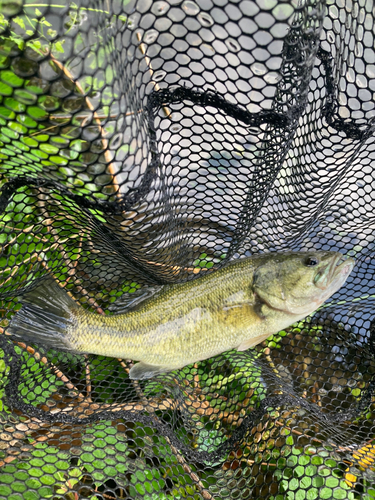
238,306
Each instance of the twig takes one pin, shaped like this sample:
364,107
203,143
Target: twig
196,377
71,265
91,301
23,230
107,152
143,49
84,117
177,269
43,130
299,433
316,396
100,311
54,246
9,242
235,458
267,353
180,458
71,272
59,374
17,267
48,222
104,494
88,380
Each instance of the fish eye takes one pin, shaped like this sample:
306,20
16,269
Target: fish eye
311,261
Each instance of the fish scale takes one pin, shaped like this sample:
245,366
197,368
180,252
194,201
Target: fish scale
235,307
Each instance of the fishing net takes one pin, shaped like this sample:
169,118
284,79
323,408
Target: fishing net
146,143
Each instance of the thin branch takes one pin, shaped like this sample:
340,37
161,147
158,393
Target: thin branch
23,230
316,398
91,301
43,130
107,152
267,354
143,49
299,433
62,6
71,265
17,267
196,384
84,117
88,380
178,269
59,374
180,458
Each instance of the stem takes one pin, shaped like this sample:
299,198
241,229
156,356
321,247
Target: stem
63,7
143,49
43,130
84,117
59,374
267,353
180,458
178,269
196,377
107,152
88,381
16,267
71,265
24,230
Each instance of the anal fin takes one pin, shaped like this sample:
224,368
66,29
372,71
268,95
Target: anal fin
246,344
142,371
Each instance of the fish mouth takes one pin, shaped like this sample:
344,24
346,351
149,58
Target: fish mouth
335,271
340,268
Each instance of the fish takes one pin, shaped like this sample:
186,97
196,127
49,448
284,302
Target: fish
235,307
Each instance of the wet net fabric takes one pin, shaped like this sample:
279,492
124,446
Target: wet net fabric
147,143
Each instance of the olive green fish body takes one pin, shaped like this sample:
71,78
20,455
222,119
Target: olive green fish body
185,323
237,306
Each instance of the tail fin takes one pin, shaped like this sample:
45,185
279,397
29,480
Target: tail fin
48,316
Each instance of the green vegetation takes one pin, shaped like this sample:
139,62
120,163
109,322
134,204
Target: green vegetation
40,133
217,394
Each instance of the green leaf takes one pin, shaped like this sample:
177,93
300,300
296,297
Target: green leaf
45,22
20,22
5,89
58,46
11,78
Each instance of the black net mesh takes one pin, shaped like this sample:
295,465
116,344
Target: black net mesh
145,143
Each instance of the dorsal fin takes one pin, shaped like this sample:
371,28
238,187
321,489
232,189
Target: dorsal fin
130,301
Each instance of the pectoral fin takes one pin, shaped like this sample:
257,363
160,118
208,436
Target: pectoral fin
246,344
141,371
